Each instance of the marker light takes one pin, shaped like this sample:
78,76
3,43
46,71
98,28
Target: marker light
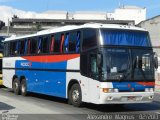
109,90
149,90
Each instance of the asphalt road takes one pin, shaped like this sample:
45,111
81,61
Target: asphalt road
41,107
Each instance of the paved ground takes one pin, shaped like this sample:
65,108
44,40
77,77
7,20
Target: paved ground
41,107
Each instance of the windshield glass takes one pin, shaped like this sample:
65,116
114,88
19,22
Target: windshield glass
125,37
143,67
122,64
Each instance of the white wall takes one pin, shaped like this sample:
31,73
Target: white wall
89,15
130,13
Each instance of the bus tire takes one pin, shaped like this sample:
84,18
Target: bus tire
24,88
16,86
69,98
75,95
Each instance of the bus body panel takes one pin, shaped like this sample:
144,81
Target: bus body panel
42,77
9,70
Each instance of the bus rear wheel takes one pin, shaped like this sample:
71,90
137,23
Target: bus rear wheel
16,86
23,87
75,95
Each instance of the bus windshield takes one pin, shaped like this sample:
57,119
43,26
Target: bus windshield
125,37
122,64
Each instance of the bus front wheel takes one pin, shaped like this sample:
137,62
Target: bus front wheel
75,95
23,87
16,86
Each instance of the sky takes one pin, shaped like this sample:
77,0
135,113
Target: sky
34,8
153,6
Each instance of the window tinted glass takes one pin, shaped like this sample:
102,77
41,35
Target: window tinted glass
89,39
13,48
33,46
57,41
22,47
6,49
43,44
72,42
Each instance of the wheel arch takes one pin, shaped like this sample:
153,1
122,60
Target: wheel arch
22,78
70,84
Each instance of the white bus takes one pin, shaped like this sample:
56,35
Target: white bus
93,63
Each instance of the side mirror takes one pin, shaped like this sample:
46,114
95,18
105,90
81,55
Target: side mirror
99,60
155,61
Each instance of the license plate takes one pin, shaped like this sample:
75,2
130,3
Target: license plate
131,98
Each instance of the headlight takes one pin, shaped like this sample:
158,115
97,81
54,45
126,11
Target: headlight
109,90
149,90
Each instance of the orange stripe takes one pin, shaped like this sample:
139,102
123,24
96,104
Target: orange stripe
147,83
51,58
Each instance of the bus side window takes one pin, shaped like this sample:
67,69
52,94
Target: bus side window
28,46
89,39
72,42
52,44
78,42
66,43
6,48
45,44
62,41
57,38
39,45
33,46
22,47
93,66
12,48
16,52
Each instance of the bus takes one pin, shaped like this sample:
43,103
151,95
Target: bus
93,63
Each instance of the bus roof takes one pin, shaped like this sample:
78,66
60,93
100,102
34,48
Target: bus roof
74,27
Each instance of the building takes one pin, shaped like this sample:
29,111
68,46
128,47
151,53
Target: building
135,13
21,26
29,23
153,26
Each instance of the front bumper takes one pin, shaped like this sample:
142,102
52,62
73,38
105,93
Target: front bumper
126,97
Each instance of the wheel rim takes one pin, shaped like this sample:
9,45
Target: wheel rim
15,86
23,88
75,95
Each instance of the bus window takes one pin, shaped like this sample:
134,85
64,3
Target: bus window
33,46
62,41
66,43
13,48
22,47
72,42
89,39
78,42
45,44
39,45
57,38
52,44
93,66
6,47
